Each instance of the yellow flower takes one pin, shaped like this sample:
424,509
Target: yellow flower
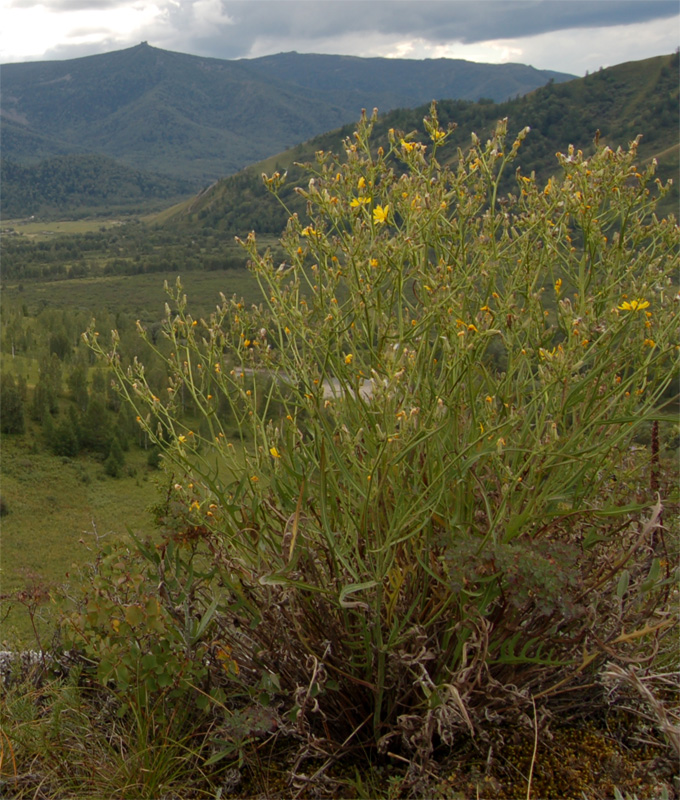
408,146
634,305
362,182
649,343
558,285
182,438
348,358
547,354
374,262
274,452
362,200
380,214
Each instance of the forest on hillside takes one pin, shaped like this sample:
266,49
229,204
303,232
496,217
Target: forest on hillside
83,185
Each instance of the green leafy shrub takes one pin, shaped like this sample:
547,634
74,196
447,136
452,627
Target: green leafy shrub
142,638
436,513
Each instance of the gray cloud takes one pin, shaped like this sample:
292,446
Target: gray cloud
242,24
465,20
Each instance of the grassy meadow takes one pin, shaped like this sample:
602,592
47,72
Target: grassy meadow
48,228
59,512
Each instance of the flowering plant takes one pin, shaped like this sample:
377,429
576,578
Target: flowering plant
442,400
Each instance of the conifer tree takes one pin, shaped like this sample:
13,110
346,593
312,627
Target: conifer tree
11,406
115,461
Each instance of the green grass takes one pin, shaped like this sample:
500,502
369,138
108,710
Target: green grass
55,507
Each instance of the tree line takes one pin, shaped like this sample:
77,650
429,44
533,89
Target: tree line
52,387
129,249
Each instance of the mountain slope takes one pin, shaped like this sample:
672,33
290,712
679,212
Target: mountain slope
201,118
622,101
81,183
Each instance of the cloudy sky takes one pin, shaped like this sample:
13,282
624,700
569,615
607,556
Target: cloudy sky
566,35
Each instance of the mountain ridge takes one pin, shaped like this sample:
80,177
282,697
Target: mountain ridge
202,118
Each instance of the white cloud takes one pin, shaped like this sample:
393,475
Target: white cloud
578,51
30,32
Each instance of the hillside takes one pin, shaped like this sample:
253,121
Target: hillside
620,102
202,118
81,184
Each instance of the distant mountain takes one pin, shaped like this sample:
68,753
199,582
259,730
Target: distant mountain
201,118
620,102
389,83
